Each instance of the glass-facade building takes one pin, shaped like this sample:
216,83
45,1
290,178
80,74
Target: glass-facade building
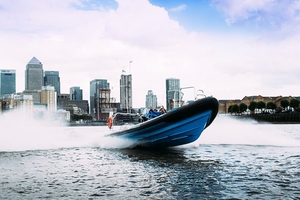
51,78
34,75
75,93
95,85
7,81
172,91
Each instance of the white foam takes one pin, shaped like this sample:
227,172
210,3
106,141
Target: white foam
20,131
234,130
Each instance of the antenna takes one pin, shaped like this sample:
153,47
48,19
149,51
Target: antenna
130,66
119,64
122,68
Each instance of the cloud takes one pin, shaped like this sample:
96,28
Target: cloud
179,8
141,25
268,14
98,41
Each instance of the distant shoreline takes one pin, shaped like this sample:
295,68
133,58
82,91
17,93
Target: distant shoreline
95,123
87,124
279,118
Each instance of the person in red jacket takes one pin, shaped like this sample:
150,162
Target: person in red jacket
109,122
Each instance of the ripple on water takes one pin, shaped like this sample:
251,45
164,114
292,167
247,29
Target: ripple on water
204,172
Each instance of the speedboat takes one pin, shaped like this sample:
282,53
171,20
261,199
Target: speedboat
180,126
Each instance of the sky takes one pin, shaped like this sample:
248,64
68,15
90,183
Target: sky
227,48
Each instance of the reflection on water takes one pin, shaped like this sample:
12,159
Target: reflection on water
169,155
179,173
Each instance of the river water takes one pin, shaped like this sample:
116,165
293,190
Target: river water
232,159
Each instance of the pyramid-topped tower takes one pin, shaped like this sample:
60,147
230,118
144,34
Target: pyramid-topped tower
34,61
34,75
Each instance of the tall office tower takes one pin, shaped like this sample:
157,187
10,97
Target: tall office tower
151,100
7,81
95,85
172,92
48,97
34,75
75,93
126,92
52,78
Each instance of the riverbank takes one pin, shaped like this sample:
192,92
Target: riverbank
87,124
278,118
115,123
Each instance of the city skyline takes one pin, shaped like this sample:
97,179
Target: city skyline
34,70
36,75
172,84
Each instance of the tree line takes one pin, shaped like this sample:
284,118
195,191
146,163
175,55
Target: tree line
270,107
85,117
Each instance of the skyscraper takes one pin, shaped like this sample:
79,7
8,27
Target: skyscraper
52,78
172,92
95,85
34,75
75,93
126,92
151,100
7,81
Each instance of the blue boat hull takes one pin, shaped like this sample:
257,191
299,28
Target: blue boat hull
178,127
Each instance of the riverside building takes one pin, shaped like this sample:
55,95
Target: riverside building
7,81
75,93
151,100
99,99
48,98
34,75
52,78
126,93
172,92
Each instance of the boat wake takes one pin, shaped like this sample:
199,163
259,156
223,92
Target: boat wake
229,130
20,132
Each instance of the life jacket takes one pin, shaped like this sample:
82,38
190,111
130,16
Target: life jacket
109,122
153,113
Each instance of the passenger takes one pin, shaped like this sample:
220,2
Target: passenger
162,110
110,122
152,113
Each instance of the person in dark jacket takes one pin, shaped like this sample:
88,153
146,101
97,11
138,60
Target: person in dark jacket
153,113
162,110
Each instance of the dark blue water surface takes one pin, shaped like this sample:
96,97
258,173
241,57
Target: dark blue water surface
231,160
